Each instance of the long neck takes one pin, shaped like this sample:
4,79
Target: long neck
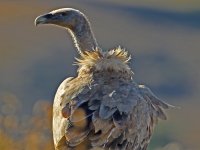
83,36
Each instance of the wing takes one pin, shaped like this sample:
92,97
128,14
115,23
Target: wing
60,122
115,116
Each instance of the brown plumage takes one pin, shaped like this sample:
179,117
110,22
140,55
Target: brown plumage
102,108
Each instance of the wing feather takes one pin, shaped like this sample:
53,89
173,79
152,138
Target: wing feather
118,116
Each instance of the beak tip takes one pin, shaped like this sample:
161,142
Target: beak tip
37,21
40,20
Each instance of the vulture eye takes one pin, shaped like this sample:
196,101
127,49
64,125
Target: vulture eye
63,14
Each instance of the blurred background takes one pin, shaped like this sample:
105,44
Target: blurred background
163,38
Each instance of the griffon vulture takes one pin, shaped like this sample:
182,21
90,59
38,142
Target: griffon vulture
103,107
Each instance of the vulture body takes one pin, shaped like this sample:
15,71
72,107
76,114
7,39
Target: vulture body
102,108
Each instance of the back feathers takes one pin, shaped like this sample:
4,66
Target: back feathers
107,109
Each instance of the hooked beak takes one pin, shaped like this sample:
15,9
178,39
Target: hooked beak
43,19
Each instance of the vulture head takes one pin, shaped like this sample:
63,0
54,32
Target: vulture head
76,23
65,17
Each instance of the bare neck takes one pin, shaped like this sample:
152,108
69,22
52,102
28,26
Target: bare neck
83,36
